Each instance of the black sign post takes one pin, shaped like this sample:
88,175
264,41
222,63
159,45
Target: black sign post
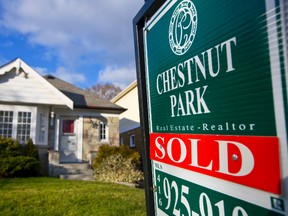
150,7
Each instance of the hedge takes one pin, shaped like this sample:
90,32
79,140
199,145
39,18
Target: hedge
17,160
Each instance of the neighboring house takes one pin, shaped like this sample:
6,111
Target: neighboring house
66,123
130,131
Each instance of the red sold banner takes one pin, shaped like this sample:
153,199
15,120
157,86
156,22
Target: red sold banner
247,160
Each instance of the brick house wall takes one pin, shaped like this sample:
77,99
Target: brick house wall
125,139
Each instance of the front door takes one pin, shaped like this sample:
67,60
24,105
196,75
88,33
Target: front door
69,140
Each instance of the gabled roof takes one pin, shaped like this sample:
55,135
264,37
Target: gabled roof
80,97
15,68
125,91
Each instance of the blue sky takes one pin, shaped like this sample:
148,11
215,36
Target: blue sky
83,42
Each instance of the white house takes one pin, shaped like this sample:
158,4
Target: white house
66,123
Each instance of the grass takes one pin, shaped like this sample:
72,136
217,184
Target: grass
52,196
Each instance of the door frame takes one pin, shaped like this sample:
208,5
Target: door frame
78,131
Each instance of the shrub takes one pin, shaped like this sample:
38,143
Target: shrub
30,149
117,168
16,161
106,151
9,147
20,166
113,163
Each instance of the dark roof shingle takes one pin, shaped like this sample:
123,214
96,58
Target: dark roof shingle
81,98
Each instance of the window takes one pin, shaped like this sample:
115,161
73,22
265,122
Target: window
42,128
68,126
103,130
132,140
23,126
18,122
6,123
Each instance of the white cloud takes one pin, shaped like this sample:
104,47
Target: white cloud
121,77
42,71
75,28
64,74
68,76
77,34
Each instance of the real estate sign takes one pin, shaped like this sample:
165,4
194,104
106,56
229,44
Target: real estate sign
217,106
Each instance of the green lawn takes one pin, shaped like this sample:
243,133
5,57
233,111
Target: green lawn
52,196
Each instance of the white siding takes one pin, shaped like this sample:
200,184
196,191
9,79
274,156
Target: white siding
17,88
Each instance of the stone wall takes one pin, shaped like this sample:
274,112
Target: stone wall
113,124
53,157
91,141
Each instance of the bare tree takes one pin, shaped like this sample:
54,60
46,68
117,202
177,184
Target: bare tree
105,90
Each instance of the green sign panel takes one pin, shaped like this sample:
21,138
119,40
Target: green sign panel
209,68
217,100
